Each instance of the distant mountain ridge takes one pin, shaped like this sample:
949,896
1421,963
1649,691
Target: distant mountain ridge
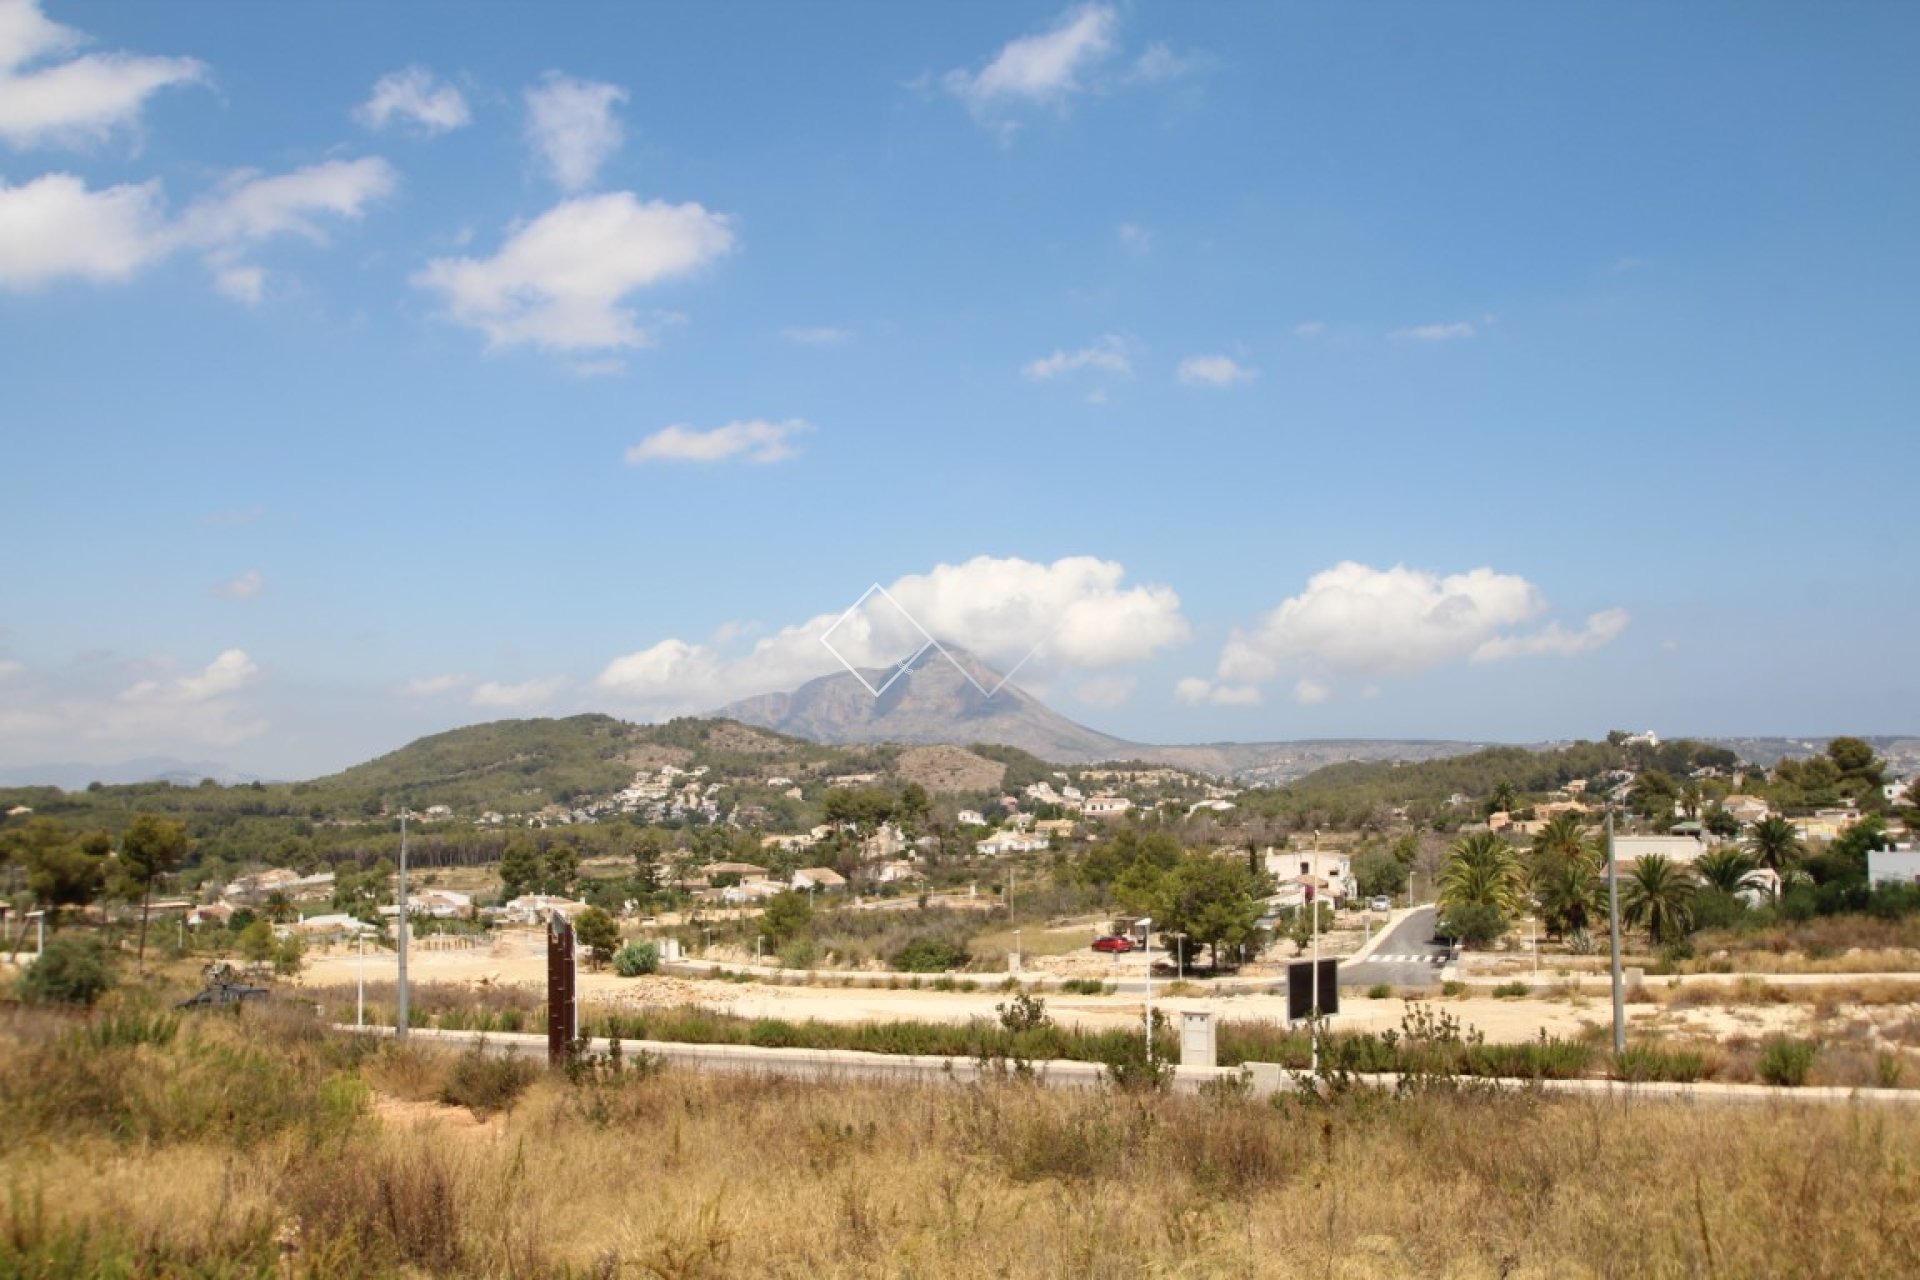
75,776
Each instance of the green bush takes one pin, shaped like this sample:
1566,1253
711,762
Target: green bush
1643,1063
1786,1061
1453,988
1512,991
635,959
1474,924
927,954
71,970
798,954
486,1082
1380,991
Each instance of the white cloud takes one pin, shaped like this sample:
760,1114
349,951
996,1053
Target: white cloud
1436,332
416,98
1359,622
1075,614
234,517
70,713
1310,692
1041,68
1601,628
432,686
1106,691
817,335
1159,62
525,696
1309,329
558,282
1197,692
77,101
245,586
1109,355
572,126
241,283
1214,371
756,441
1134,238
54,226
9,668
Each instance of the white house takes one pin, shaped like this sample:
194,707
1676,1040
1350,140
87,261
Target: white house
1894,866
818,878
535,908
1897,791
1105,806
1328,867
1010,842
970,818
1681,849
896,872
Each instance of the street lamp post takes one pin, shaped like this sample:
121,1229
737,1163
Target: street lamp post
400,1030
1613,930
360,1002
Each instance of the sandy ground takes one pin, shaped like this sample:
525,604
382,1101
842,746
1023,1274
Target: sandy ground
519,960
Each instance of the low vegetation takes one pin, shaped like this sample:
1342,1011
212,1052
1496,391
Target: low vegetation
258,1146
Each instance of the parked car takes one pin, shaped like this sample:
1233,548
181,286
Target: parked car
1380,903
1114,942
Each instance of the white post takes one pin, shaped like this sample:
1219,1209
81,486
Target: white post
1147,925
39,934
1313,1033
360,1004
1613,931
400,1030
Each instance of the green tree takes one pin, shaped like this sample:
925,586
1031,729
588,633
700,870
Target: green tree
559,868
279,908
63,869
152,847
1481,870
1854,759
1729,870
1653,796
1776,846
599,933
256,942
785,917
1659,895
521,868
1504,798
1212,900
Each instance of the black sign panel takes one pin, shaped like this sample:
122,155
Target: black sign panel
560,988
1300,988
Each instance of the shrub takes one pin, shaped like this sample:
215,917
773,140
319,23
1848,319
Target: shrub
486,1082
1380,991
1512,991
635,959
926,954
1453,988
1474,924
70,971
798,954
1786,1061
1645,1063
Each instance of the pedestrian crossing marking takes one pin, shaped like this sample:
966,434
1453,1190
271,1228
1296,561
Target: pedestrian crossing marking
1420,959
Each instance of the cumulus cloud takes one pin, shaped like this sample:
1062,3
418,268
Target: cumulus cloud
1357,622
417,99
48,99
245,586
91,706
54,226
1214,371
1436,332
1160,62
559,282
1196,692
524,696
756,441
1134,238
1109,355
1046,67
1076,614
1309,329
572,127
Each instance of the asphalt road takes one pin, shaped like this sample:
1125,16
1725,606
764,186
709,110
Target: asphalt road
1407,956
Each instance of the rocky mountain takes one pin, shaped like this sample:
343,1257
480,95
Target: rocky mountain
932,701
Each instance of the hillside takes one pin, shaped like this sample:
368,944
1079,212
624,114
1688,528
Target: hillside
932,703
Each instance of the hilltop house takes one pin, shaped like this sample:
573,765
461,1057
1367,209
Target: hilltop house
1105,806
818,878
1001,842
1329,869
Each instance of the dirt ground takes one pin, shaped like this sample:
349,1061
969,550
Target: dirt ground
519,959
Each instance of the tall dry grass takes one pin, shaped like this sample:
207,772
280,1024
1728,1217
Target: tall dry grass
641,1173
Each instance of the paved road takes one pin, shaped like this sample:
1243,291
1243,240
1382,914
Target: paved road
1405,958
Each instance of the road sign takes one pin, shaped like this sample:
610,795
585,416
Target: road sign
1300,988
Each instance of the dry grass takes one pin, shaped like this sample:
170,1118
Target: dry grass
647,1174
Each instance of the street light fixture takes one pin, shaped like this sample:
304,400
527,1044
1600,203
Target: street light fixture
1145,924
400,1030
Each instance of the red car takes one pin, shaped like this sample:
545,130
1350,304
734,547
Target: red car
1117,942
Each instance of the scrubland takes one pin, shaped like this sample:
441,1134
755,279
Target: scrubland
144,1143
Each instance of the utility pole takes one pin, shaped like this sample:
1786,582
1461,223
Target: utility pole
400,1030
1613,929
1146,924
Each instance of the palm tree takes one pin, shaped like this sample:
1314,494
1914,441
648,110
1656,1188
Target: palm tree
1659,894
1482,870
1776,846
1568,892
1504,799
1729,870
279,908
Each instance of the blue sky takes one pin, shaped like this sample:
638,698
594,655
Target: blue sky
1249,371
